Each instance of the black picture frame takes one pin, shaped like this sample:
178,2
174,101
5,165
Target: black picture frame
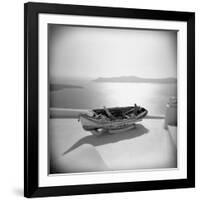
31,82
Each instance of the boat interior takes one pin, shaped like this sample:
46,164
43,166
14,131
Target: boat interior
119,112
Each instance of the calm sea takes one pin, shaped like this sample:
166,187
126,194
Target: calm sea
153,97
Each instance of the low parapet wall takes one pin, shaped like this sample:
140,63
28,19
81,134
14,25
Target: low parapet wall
66,112
74,113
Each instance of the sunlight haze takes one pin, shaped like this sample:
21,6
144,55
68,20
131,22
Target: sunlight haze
92,52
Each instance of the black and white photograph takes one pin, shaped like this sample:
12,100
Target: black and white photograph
112,99
109,99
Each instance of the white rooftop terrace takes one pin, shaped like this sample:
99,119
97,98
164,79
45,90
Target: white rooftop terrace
72,149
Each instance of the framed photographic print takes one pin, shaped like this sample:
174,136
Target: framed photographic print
109,99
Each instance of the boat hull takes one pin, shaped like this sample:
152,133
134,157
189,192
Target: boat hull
112,120
91,124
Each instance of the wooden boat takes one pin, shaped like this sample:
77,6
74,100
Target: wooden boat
112,120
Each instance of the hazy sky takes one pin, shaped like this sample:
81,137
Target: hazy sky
105,52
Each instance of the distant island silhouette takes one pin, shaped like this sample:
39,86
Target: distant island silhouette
135,79
55,87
